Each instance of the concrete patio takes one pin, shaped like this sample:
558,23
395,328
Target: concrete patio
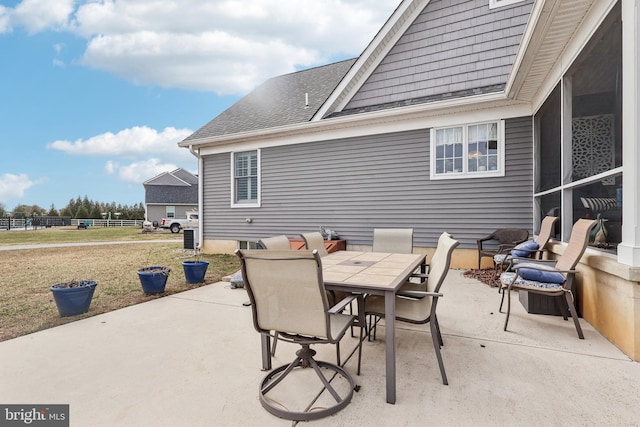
193,359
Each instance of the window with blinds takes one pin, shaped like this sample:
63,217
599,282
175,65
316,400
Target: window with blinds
469,151
245,178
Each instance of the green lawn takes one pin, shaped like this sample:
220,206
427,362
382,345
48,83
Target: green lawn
72,234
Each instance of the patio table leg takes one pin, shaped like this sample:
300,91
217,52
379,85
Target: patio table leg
265,341
390,336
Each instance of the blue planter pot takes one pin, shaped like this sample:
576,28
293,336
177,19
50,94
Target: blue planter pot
73,298
194,271
153,279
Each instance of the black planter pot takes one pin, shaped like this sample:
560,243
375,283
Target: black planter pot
73,298
153,279
194,271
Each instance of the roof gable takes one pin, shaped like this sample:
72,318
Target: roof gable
279,101
178,177
453,48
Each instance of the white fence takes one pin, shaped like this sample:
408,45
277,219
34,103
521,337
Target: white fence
109,222
6,223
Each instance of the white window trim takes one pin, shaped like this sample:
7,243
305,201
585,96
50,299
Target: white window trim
464,174
233,182
499,3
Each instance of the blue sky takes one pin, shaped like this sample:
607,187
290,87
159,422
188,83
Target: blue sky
95,95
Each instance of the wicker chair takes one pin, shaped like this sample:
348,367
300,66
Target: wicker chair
507,238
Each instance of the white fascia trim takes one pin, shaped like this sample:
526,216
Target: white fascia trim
373,54
374,123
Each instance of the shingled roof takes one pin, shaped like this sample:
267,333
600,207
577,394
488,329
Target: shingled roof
278,102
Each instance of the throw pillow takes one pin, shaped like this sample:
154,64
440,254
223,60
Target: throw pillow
524,249
547,276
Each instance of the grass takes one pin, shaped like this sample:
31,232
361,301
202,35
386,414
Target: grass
72,234
27,274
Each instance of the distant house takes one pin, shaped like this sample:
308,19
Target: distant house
460,115
170,195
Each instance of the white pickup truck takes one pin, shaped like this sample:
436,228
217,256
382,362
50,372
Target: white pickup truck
177,224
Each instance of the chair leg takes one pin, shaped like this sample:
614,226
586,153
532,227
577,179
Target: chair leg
273,346
569,297
361,339
508,292
502,299
435,322
434,337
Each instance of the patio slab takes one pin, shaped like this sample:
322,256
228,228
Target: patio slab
194,359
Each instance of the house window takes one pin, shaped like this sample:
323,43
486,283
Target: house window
245,244
578,140
468,151
245,179
171,212
500,3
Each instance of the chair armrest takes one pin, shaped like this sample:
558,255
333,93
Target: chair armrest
420,275
534,261
555,270
340,306
419,294
484,239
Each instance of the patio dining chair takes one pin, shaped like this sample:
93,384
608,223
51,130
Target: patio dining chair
393,240
276,242
554,278
315,241
420,307
398,241
287,295
528,249
507,238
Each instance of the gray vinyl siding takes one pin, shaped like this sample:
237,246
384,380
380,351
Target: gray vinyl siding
357,184
454,47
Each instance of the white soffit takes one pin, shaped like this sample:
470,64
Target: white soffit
554,24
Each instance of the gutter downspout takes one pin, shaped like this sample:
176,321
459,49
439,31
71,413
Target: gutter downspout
200,189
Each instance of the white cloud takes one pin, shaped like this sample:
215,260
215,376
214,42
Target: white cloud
138,172
128,143
14,186
225,46
5,20
136,154
39,15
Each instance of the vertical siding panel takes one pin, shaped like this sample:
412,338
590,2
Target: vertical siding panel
354,185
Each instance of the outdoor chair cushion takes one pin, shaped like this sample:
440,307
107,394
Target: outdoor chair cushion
507,277
499,258
549,276
524,249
